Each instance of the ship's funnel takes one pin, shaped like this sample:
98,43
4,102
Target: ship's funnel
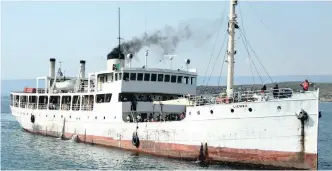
115,58
52,68
82,74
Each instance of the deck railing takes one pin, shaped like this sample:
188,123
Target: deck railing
241,96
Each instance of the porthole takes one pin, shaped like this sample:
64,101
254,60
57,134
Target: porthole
104,117
54,116
46,115
232,110
189,113
96,117
250,109
279,107
211,111
114,117
69,116
61,116
198,112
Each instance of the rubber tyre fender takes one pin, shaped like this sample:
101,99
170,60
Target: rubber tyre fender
32,118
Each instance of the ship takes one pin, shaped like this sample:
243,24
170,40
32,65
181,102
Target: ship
157,111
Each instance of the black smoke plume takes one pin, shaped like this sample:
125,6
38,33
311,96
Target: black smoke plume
167,38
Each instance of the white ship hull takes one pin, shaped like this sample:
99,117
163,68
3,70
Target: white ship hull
265,136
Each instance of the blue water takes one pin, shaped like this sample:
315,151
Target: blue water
22,150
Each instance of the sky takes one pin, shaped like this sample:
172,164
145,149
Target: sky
289,38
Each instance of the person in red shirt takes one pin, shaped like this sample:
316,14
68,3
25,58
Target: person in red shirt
305,85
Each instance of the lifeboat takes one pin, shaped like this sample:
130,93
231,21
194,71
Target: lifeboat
65,85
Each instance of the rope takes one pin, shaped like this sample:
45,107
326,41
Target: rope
256,55
215,42
216,59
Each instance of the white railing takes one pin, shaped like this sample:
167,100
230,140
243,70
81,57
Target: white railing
54,106
75,107
87,107
65,106
241,96
23,105
32,105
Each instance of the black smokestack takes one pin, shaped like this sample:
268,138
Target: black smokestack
114,54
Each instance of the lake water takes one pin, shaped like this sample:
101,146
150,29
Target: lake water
22,150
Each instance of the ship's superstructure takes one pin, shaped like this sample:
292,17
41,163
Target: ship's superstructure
157,111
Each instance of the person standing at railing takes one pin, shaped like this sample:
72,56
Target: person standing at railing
305,85
263,89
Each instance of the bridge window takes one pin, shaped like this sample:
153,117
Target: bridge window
116,77
133,76
180,79
126,76
193,80
160,77
173,78
153,77
76,103
139,76
120,76
110,77
146,77
167,78
11,100
102,98
186,80
65,102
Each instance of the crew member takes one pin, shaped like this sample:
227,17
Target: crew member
305,85
263,89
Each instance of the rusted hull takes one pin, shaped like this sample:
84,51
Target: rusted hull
204,152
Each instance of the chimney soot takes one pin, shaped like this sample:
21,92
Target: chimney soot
114,54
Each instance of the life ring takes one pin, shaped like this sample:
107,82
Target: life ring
135,140
32,118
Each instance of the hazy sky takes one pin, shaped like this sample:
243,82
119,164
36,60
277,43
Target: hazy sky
290,38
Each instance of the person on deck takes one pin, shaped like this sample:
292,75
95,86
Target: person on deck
305,85
263,89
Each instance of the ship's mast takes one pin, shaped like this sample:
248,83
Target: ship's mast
119,36
230,50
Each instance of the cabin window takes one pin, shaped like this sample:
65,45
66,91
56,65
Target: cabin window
87,102
167,78
186,79
153,77
133,76
146,77
23,101
193,79
11,100
160,77
173,78
116,77
42,102
54,103
108,97
139,76
100,98
103,98
180,79
76,103
120,76
65,102
32,102
126,76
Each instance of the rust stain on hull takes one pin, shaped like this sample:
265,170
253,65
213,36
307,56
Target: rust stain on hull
214,155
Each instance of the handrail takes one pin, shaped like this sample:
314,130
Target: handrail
241,96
